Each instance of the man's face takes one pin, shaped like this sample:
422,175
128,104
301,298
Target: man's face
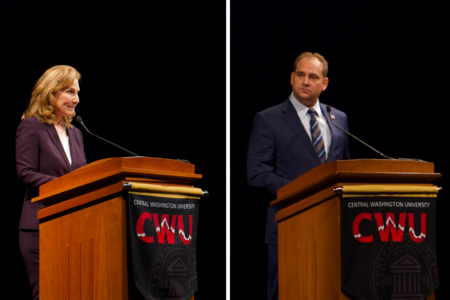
307,81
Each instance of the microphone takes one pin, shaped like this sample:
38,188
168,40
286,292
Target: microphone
79,120
373,149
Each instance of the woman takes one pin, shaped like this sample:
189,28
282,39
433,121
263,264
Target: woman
47,147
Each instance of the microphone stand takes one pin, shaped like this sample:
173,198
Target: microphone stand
365,144
79,120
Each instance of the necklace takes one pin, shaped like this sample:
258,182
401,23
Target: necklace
60,131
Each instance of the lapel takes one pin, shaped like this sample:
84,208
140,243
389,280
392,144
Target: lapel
291,117
333,132
54,136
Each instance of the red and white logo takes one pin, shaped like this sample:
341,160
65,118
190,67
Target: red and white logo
163,228
389,226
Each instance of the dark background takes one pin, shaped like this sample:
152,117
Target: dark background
388,65
153,81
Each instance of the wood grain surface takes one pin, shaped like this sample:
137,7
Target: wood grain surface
113,169
356,171
83,254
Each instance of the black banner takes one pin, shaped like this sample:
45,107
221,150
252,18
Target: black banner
388,247
163,244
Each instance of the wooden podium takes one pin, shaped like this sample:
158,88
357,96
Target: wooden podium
83,230
309,233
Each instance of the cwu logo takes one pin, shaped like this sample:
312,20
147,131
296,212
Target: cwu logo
390,227
163,229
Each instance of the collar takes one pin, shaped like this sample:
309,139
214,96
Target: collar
302,110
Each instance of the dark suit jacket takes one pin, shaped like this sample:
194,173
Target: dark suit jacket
280,150
40,158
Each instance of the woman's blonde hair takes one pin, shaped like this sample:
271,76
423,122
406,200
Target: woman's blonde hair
42,104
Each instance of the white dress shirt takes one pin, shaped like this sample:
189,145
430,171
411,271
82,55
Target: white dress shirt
302,112
65,144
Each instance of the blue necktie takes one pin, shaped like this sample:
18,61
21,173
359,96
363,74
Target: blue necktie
316,136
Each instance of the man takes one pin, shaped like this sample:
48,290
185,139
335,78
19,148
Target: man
291,138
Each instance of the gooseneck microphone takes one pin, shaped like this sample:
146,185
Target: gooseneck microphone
373,149
79,120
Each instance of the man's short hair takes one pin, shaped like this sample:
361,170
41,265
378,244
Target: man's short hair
311,55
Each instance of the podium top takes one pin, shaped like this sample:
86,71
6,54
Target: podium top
118,168
357,171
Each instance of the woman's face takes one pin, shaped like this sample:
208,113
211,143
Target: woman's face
66,100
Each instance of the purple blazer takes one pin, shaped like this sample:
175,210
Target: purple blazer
40,158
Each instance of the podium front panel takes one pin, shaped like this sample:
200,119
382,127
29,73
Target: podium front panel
84,253
309,253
